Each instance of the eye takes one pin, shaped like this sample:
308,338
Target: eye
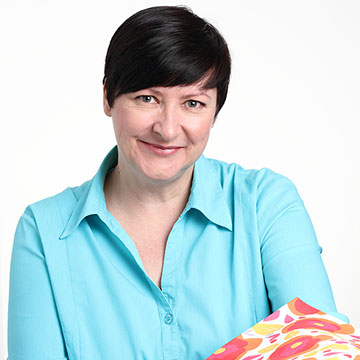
194,104
146,98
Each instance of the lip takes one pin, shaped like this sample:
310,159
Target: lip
161,149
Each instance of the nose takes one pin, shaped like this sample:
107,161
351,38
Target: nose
167,123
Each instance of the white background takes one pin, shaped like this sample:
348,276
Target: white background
293,107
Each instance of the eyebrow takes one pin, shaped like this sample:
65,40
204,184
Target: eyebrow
202,92
198,94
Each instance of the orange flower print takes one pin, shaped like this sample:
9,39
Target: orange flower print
319,324
237,347
298,307
296,346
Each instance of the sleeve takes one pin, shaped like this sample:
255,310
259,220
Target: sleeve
291,256
34,330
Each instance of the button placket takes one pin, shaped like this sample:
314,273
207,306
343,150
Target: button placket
170,331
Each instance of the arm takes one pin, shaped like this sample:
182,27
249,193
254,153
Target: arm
292,263
34,330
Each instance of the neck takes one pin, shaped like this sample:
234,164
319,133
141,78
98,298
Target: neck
126,192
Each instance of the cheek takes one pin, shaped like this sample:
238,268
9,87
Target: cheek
126,124
200,131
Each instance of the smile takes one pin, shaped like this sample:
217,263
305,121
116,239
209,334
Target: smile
160,149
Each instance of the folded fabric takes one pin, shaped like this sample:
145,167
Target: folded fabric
295,331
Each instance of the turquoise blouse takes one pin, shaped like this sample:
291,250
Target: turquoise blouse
243,247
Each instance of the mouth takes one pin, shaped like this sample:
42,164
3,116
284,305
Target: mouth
161,149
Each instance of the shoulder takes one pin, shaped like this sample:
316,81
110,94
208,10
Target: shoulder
262,182
57,206
263,192
46,219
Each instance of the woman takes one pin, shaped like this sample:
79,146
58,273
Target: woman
164,254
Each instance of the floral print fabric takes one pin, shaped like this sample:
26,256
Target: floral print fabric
296,331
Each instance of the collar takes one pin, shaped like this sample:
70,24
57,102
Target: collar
90,196
206,195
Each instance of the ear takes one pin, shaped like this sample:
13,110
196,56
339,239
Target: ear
107,108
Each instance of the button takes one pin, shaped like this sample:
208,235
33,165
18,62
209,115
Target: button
168,318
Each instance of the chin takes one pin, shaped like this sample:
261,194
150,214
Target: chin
163,176
166,174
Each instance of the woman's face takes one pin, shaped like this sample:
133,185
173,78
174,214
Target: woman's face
162,131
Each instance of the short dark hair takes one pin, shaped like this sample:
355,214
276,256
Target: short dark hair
166,46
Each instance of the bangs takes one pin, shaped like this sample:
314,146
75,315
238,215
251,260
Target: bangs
166,46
